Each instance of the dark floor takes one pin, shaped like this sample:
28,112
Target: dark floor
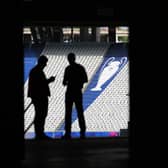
76,153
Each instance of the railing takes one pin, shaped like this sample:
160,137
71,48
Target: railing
32,121
27,107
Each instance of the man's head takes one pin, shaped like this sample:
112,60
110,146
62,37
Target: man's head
71,58
42,61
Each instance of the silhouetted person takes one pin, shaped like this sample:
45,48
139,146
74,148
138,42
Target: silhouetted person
74,78
38,91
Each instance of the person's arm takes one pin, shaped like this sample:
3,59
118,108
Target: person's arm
65,79
85,77
51,79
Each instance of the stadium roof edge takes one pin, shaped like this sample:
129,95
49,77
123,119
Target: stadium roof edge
76,23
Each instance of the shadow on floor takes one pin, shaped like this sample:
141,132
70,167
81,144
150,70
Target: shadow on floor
76,153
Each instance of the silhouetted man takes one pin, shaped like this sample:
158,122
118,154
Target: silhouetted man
74,78
38,91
